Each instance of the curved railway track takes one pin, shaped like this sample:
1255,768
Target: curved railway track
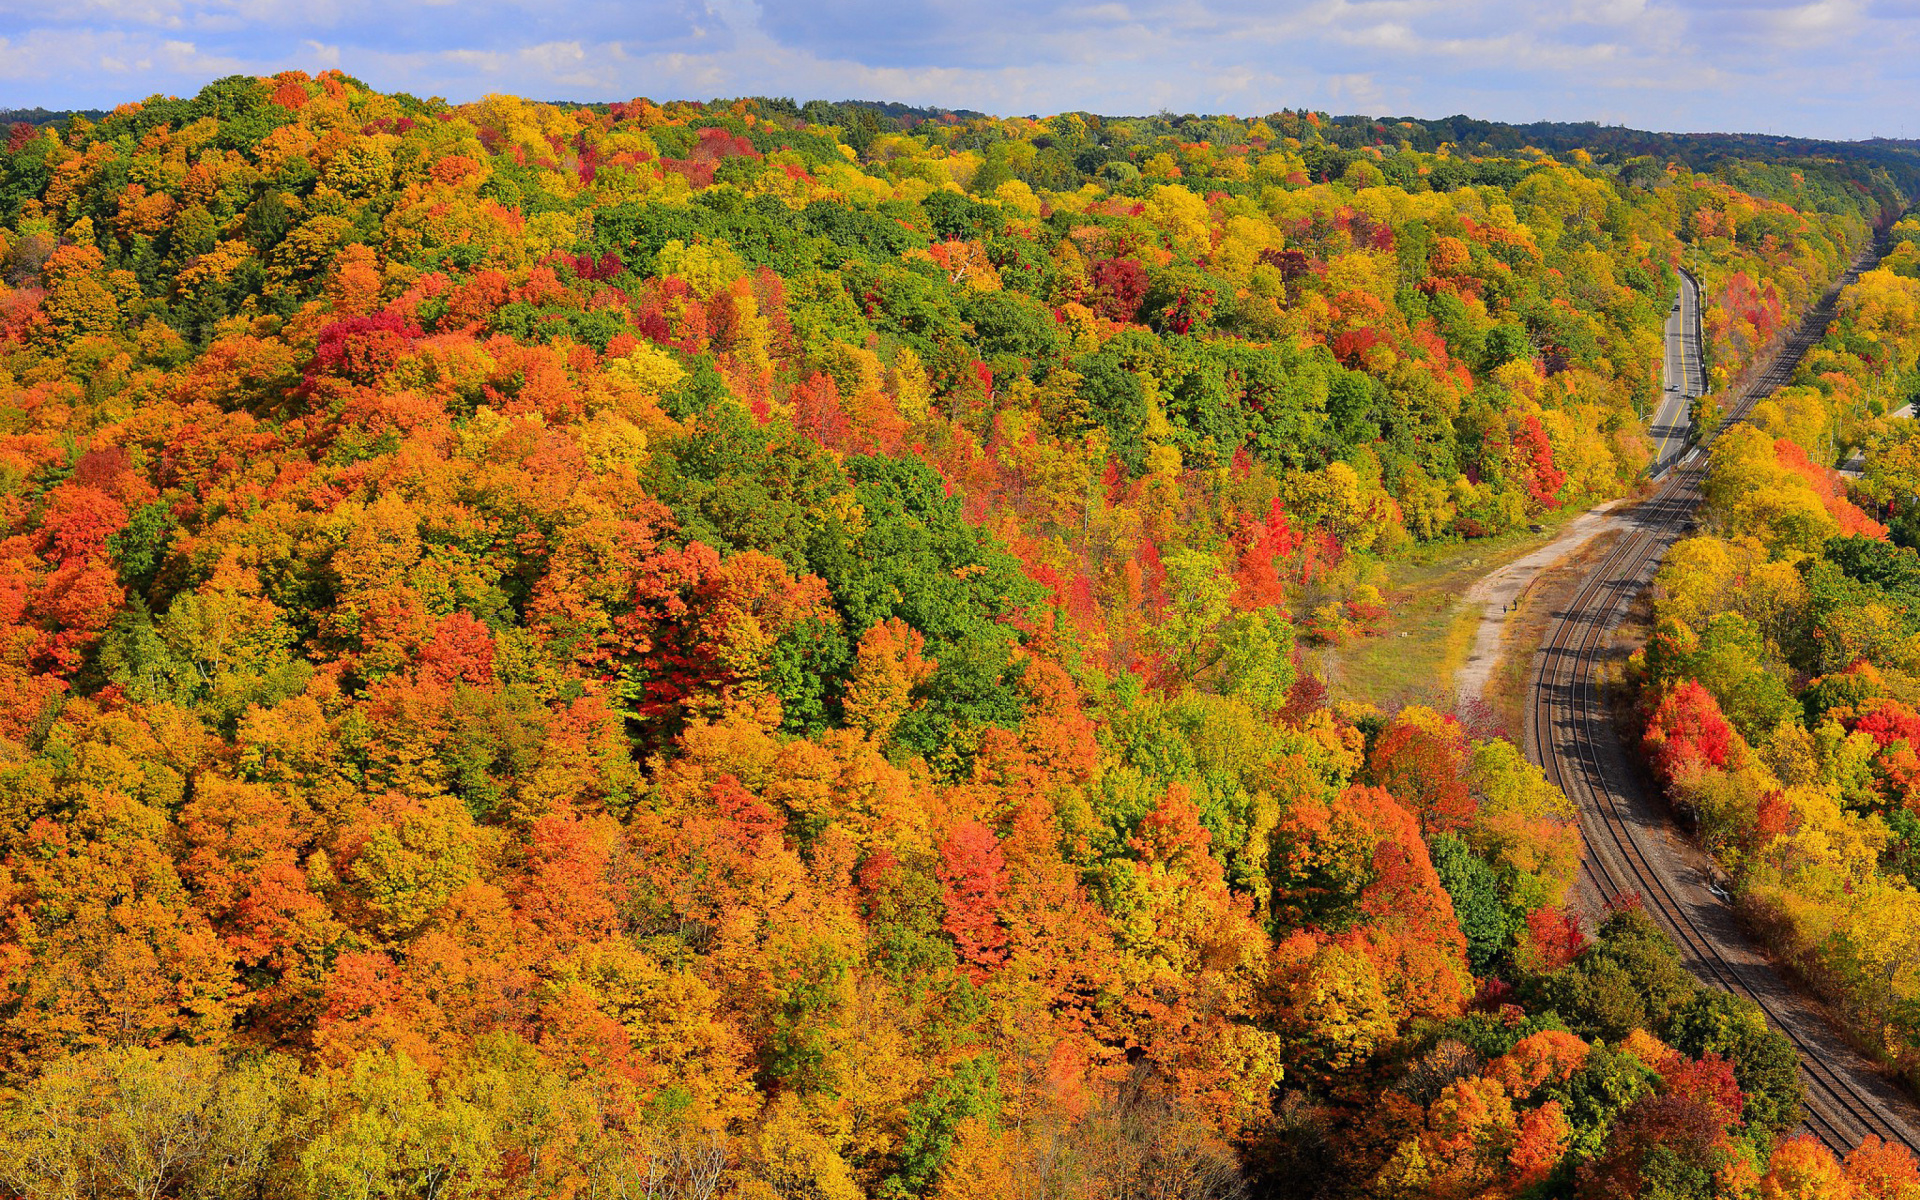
1632,846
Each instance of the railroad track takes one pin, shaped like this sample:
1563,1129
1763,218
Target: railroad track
1632,845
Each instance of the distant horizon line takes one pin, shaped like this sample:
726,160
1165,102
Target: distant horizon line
46,116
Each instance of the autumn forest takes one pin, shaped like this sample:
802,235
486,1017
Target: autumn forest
772,651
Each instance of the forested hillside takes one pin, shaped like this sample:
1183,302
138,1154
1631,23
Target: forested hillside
692,651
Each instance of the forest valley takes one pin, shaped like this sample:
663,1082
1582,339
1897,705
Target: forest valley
750,650
1778,688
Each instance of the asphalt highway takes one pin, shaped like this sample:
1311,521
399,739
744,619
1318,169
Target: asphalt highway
1684,376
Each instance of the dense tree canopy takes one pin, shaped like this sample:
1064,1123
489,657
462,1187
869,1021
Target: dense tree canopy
751,650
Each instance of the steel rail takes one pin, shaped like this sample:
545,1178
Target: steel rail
1846,1098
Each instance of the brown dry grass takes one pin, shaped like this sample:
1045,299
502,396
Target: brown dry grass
1427,633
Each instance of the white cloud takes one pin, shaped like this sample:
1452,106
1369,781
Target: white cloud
121,65
1837,67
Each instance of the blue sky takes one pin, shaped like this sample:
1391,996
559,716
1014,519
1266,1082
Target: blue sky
1840,68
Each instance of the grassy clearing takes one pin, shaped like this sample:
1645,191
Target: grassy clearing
1427,632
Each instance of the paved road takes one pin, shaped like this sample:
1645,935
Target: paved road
1685,376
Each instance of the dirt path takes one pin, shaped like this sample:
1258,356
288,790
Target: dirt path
1498,591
